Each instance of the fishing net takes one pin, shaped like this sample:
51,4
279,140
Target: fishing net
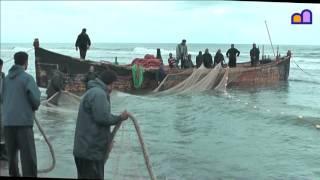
126,160
201,79
61,102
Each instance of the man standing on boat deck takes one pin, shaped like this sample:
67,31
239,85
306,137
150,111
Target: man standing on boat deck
218,58
207,59
83,42
92,133
21,98
232,54
254,55
199,59
182,52
3,149
172,61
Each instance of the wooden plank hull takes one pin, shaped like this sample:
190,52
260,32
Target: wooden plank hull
74,70
263,75
244,75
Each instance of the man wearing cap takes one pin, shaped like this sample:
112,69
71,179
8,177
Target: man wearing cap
182,52
21,98
83,43
92,133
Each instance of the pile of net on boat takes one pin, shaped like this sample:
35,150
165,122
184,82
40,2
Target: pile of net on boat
149,61
201,79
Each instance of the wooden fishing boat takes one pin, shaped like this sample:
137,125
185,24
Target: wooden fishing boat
268,72
75,69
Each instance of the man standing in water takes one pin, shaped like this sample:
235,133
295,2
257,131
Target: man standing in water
3,149
232,54
182,52
55,85
92,134
91,75
21,98
83,42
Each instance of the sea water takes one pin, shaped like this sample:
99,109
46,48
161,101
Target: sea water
253,133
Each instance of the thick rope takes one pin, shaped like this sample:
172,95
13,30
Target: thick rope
53,96
113,133
144,150
53,164
302,69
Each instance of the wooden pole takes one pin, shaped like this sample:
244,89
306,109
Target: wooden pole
270,38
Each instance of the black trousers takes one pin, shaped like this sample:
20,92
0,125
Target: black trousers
254,62
183,63
88,169
83,53
21,138
232,62
3,148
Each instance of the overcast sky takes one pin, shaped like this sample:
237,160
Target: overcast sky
157,21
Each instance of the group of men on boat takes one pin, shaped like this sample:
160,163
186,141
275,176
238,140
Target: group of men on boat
83,43
185,60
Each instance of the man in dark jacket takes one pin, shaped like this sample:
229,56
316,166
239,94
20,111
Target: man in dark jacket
218,58
21,98
56,84
207,59
3,151
83,42
92,134
188,62
232,54
199,59
182,52
254,55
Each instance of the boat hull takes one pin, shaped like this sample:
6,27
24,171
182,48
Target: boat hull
75,69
